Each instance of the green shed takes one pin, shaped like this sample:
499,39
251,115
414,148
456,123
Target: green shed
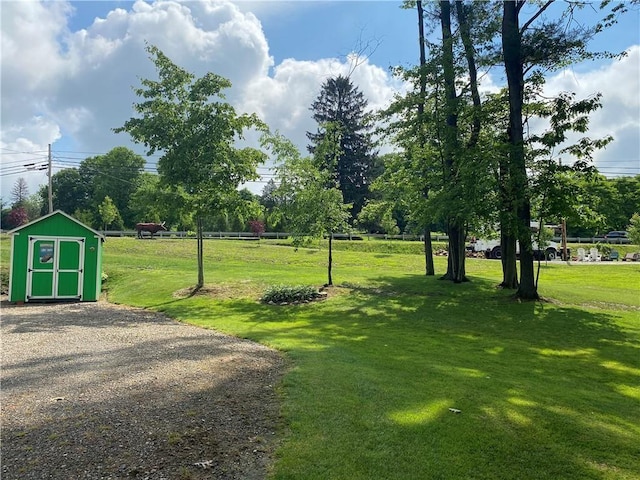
55,257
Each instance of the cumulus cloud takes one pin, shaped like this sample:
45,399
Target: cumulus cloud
283,99
619,84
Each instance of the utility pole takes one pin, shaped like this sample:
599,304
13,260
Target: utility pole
565,257
50,191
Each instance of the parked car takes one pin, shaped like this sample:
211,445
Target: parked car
617,234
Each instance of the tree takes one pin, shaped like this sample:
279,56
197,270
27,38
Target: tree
628,190
188,120
312,202
116,174
19,192
109,213
634,229
70,191
437,124
341,103
16,217
528,53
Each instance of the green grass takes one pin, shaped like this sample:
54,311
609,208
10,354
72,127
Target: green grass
547,390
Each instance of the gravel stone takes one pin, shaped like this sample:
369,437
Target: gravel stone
99,391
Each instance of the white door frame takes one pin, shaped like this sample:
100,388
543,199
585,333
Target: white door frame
56,266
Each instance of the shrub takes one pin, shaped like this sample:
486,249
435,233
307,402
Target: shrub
257,227
290,294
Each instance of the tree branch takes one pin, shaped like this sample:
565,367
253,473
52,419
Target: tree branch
538,13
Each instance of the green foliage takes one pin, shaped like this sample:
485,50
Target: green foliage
290,294
115,174
376,216
312,203
87,217
71,191
188,119
109,214
634,229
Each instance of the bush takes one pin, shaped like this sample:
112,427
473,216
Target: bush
290,294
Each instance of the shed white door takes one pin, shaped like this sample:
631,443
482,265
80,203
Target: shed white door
55,269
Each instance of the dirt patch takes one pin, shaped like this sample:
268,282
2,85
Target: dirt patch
223,291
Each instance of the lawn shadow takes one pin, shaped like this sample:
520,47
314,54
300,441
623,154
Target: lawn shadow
530,378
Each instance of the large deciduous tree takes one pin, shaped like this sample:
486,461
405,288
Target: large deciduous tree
438,125
341,103
188,120
70,191
517,169
115,174
530,49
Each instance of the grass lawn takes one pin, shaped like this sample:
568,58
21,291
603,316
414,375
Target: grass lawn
546,390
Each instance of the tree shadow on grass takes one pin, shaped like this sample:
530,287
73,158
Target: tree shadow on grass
546,391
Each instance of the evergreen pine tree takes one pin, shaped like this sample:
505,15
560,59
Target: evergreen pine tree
341,103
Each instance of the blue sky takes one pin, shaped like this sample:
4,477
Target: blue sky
311,30
68,68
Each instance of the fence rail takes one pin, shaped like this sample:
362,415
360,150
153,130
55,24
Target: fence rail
336,236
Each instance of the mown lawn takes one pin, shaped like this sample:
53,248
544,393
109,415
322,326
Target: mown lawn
546,390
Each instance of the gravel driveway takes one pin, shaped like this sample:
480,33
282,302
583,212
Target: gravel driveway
98,391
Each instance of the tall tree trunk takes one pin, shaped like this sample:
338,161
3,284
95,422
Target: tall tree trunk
511,48
456,258
455,231
507,235
329,279
199,237
428,253
428,247
508,259
469,52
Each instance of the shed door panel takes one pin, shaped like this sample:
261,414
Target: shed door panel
41,268
70,261
42,285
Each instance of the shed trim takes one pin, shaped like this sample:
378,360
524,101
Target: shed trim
16,231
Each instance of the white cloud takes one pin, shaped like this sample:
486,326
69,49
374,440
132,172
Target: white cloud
619,84
283,99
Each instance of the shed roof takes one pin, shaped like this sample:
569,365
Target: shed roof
57,212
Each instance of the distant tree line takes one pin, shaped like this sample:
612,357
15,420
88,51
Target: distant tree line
605,203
